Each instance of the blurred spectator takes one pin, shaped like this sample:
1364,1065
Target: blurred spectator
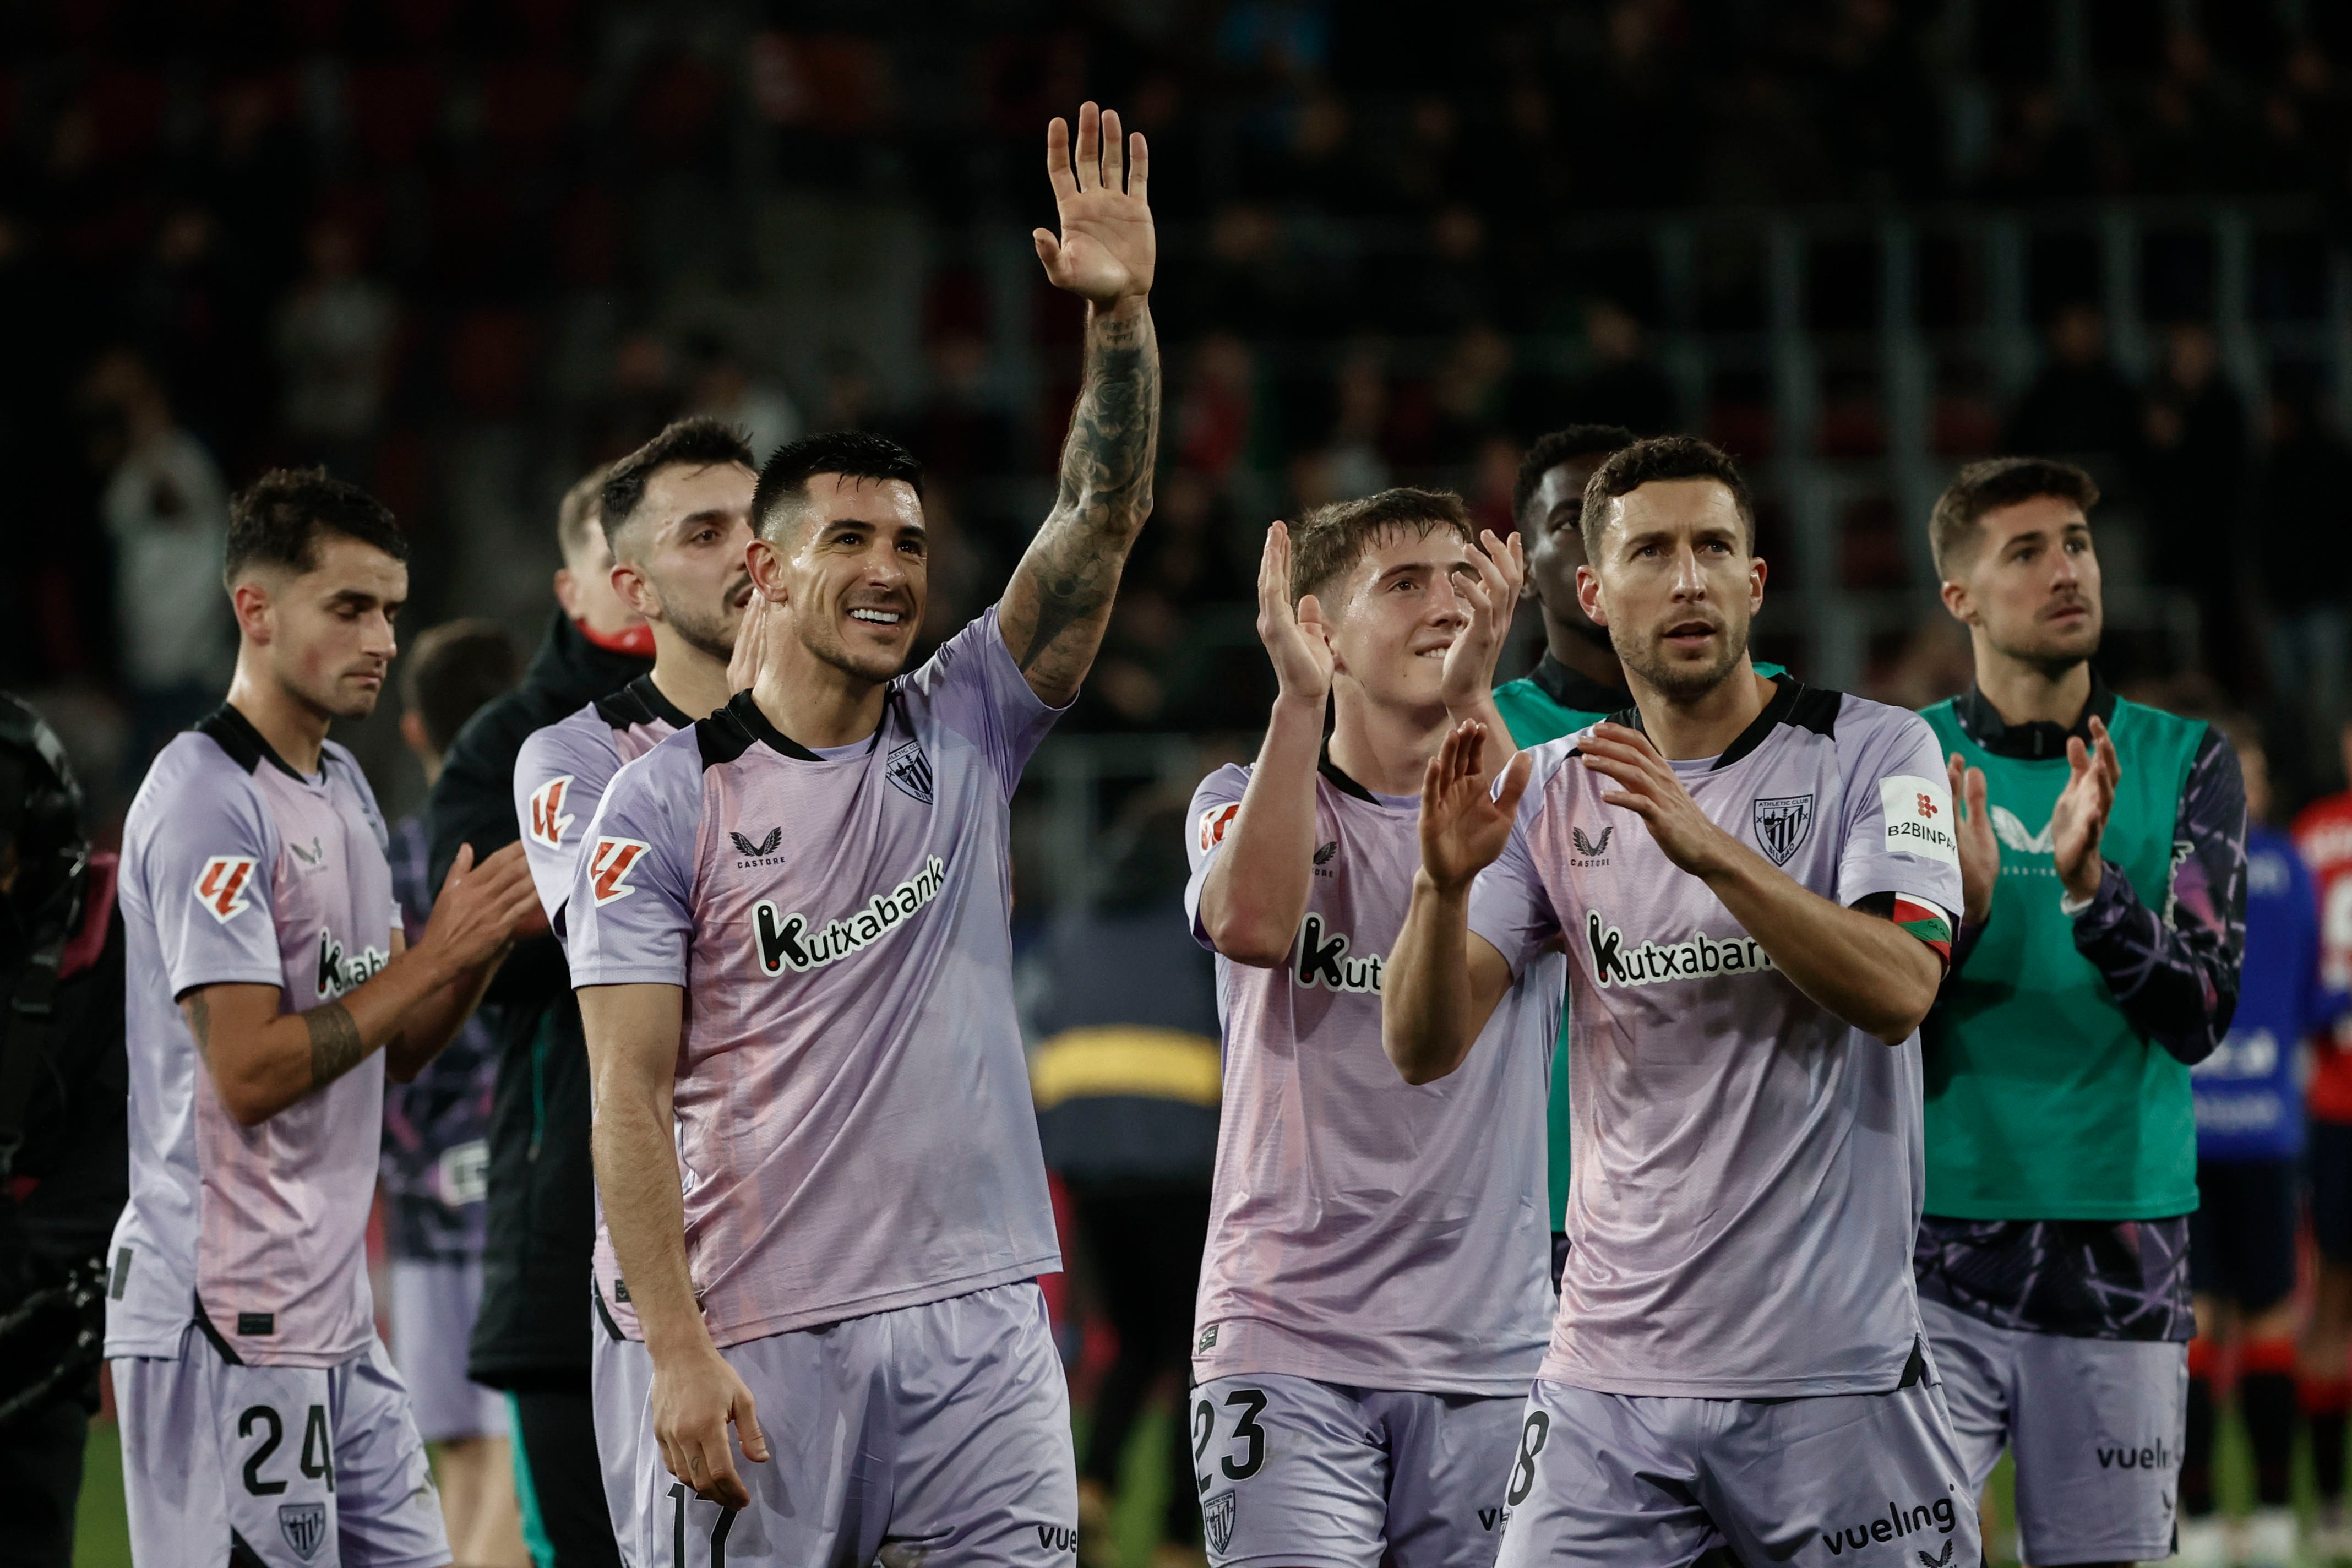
436,1158
1623,387
334,352
2303,514
1216,417
1128,1090
2195,463
2080,406
167,513
1472,392
724,390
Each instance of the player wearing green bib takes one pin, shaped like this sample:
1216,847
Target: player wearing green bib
2103,853
1576,684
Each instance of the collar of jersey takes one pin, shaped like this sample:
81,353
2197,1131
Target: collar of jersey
1788,691
232,733
642,693
1340,780
2037,740
1575,690
744,710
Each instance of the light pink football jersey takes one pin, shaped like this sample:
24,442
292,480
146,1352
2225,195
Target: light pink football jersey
1363,1230
237,869
560,778
1747,1168
852,1101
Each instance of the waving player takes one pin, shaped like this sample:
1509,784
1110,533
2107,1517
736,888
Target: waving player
790,936
1355,1403
269,992
1753,878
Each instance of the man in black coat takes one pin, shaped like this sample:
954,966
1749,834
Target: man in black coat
530,1337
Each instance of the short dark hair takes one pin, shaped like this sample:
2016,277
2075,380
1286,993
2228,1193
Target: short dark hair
852,453
1556,448
1990,485
454,669
1330,539
1659,458
276,521
579,511
697,441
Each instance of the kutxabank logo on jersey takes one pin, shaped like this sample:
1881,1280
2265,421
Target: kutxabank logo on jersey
341,972
781,941
1696,957
1323,960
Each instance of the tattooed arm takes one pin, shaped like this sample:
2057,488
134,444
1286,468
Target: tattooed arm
1057,606
261,1060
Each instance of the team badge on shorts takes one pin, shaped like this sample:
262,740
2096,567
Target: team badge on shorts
1217,1518
1781,823
304,1525
911,770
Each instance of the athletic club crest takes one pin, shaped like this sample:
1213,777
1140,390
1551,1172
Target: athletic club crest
1217,1515
911,770
304,1525
1781,823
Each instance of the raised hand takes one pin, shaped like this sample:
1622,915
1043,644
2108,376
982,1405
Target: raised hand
750,645
1493,598
2080,817
1652,790
1107,250
1462,827
1980,849
1296,638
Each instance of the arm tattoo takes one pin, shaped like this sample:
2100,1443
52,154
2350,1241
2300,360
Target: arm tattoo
1074,564
335,1046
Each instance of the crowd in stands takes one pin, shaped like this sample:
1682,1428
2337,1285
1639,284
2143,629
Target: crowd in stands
461,252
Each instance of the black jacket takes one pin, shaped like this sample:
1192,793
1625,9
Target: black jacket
532,1329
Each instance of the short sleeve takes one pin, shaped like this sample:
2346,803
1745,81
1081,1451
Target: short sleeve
209,863
560,777
1509,905
974,687
1899,832
1215,803
631,905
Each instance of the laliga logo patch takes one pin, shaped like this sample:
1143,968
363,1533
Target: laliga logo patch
220,886
1919,817
609,868
1213,823
548,818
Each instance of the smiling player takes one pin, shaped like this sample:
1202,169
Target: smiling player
789,933
1750,877
270,990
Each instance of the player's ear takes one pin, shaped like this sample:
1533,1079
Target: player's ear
1756,572
250,601
765,563
1588,595
1956,601
635,590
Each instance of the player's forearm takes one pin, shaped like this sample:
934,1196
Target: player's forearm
1059,600
260,1067
1866,969
1425,1003
1256,893
637,1181
435,1022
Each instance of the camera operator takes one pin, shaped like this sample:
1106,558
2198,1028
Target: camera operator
63,1164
